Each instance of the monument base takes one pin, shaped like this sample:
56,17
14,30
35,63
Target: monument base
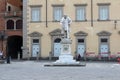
66,59
65,56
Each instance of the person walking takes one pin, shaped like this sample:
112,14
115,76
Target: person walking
1,55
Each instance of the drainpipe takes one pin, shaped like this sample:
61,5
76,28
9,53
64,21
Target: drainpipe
46,13
92,13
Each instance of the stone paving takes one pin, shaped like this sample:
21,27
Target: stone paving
33,70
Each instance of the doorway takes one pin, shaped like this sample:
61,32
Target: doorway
14,44
104,43
104,47
35,50
35,47
81,47
57,47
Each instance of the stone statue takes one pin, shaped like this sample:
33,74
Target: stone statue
66,57
65,22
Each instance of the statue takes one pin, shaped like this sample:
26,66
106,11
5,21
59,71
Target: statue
65,22
65,57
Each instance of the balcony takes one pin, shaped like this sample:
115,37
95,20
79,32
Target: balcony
13,14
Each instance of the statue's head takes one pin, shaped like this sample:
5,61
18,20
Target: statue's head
65,16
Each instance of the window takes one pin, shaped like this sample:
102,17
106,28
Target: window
57,13
9,8
57,40
80,40
35,14
21,7
13,25
35,40
80,13
10,24
103,12
104,40
19,24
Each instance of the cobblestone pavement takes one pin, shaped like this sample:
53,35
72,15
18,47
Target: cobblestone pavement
33,70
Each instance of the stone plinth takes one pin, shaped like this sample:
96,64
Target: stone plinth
65,56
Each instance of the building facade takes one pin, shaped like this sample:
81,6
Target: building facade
11,27
95,28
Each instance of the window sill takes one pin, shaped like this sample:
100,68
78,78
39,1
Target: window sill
55,21
35,21
13,29
104,20
80,20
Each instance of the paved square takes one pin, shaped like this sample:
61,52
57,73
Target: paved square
33,70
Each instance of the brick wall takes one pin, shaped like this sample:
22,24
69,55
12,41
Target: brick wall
2,10
3,4
16,3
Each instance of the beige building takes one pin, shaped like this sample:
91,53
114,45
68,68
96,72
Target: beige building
95,28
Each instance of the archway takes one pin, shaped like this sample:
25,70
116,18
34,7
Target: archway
14,44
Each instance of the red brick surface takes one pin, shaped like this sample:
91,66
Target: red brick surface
16,3
2,10
3,5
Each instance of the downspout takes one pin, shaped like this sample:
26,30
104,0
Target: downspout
46,13
92,13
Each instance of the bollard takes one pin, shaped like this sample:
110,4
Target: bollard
28,56
8,59
18,55
37,58
50,56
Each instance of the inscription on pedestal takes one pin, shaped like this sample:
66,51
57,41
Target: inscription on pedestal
65,48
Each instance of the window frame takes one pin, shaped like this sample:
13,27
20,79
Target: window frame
16,25
7,28
79,7
55,7
9,8
39,8
105,6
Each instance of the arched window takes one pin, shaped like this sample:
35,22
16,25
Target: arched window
10,24
19,24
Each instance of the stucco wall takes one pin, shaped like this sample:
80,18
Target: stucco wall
92,40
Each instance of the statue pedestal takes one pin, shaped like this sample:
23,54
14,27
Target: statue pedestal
65,56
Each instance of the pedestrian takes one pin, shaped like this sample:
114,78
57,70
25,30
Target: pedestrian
1,55
78,57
